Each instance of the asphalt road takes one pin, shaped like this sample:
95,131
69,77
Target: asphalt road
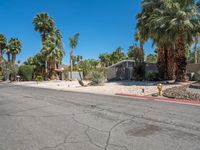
41,119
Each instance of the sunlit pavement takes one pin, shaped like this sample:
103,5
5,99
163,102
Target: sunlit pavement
41,119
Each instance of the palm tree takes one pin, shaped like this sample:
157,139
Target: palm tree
14,47
44,24
149,27
171,26
3,42
134,53
73,42
102,59
117,55
53,51
184,24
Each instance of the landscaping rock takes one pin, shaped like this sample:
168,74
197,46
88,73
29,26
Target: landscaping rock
181,92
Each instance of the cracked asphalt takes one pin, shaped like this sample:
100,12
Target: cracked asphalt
42,119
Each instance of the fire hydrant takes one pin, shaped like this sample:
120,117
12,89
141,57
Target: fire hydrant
159,87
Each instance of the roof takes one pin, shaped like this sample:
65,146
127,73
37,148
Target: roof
121,62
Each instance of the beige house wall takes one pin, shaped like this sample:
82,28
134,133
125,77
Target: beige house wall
149,67
111,73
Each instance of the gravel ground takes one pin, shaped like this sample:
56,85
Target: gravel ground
110,88
182,92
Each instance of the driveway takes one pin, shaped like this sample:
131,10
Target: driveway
43,119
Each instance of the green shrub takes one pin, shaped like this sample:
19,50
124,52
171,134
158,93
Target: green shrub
97,77
197,76
1,77
152,76
139,72
26,72
39,78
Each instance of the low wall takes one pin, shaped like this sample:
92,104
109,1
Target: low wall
111,73
193,68
75,75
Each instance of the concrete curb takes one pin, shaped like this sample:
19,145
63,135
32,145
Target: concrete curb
184,101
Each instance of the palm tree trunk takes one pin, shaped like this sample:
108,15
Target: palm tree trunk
13,59
180,59
46,66
161,62
71,68
142,51
170,69
71,64
1,54
43,38
55,64
195,53
8,54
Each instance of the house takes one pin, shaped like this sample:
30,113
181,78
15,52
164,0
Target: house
123,70
64,74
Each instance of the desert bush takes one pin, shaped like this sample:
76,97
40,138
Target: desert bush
39,79
26,72
97,77
87,66
1,76
10,71
139,72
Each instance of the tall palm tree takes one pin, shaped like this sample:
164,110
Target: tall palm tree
171,25
73,42
53,51
14,47
44,24
184,24
3,42
149,27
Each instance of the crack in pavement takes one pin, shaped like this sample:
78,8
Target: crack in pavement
66,138
120,146
59,144
90,139
75,120
111,129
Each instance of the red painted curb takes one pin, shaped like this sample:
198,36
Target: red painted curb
161,99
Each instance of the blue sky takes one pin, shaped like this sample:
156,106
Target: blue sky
103,25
